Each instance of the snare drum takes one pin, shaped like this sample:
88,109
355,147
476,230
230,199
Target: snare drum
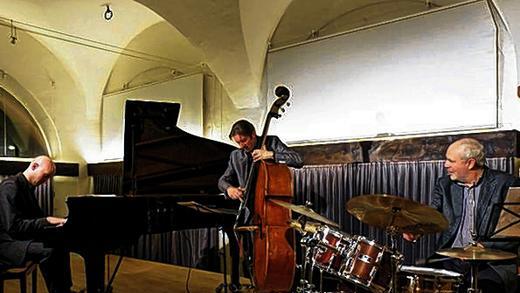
330,250
370,265
427,280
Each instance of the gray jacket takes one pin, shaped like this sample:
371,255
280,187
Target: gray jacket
240,162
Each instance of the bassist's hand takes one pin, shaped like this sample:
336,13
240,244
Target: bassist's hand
236,193
262,154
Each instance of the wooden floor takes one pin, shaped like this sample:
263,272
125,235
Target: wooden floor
142,276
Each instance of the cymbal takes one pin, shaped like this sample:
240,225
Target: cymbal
471,252
396,214
306,211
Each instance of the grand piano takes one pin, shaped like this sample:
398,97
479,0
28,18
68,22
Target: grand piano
169,183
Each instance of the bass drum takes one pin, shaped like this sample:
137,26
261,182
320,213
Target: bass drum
427,280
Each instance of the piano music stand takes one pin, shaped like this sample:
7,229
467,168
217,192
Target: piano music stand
508,226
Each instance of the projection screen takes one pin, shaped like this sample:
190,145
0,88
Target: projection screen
430,73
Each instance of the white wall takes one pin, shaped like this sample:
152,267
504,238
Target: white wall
511,11
187,91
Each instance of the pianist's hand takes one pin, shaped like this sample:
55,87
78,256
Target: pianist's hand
262,154
235,192
58,222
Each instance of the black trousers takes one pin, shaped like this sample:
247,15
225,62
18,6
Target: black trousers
54,265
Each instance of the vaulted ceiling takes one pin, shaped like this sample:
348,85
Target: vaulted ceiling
65,41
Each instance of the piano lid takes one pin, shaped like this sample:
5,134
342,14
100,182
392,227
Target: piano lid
160,158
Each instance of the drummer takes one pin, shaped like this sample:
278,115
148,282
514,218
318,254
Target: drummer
469,180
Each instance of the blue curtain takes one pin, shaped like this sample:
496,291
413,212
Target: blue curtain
329,187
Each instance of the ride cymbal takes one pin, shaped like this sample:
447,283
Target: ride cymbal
305,211
396,214
474,253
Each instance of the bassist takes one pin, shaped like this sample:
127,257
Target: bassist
243,133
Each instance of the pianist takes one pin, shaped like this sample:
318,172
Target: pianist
26,233
243,133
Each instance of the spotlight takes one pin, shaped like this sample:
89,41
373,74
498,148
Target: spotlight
108,13
14,36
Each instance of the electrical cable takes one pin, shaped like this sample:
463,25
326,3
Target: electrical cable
82,41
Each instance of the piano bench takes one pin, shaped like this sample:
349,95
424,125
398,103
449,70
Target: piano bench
20,273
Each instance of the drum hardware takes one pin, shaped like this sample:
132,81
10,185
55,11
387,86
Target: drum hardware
307,243
474,254
356,259
395,215
311,241
422,279
303,226
322,248
306,211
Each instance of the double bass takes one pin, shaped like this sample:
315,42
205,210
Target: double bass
273,239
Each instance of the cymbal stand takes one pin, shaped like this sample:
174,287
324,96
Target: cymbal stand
306,244
321,280
474,240
391,235
474,275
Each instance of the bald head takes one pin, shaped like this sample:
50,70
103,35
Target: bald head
469,148
465,161
40,170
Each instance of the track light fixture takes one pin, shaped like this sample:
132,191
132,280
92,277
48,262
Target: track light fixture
108,13
14,36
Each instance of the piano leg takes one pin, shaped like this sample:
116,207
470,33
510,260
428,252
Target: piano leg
94,270
234,251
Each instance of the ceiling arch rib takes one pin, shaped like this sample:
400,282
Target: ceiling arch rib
217,28
36,78
258,29
178,57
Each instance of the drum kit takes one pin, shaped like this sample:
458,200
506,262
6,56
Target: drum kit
358,264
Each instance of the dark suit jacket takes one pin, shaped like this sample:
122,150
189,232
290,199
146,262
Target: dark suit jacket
448,199
12,252
21,219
